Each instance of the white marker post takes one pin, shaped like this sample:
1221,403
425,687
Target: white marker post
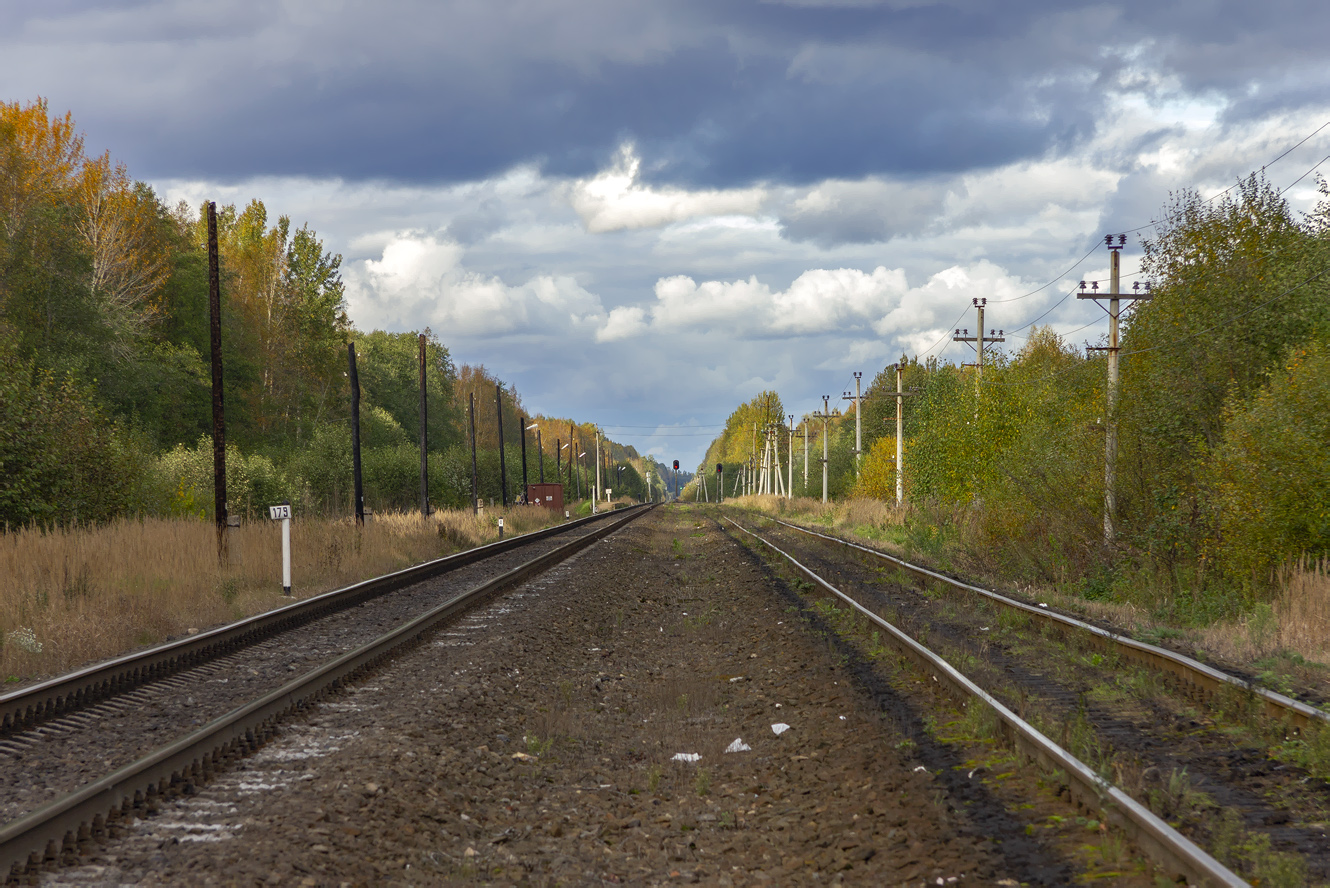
500,528
283,513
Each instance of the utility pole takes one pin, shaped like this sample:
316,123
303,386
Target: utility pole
475,475
901,395
900,433
424,437
218,413
358,484
805,455
503,464
595,494
825,415
789,487
979,338
1111,419
858,427
540,448
521,420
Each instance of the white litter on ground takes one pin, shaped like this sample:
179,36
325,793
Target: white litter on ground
738,746
779,728
736,678
686,757
922,768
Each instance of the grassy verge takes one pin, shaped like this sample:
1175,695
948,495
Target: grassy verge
78,595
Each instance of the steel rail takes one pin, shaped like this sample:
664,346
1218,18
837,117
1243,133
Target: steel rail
55,830
1201,680
1169,849
26,708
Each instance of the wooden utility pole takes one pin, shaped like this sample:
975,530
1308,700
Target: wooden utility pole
503,463
540,448
218,413
358,487
1114,295
424,436
475,475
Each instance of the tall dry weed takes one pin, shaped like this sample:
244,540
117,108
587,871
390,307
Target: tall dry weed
77,595
1303,609
1297,621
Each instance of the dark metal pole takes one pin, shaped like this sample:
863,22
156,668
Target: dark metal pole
523,421
424,436
357,482
475,476
503,463
541,448
218,414
558,459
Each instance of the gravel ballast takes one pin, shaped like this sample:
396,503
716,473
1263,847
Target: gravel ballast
575,732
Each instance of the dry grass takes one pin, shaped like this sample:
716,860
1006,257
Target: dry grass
74,596
848,515
1297,621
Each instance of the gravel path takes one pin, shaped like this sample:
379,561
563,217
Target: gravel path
537,743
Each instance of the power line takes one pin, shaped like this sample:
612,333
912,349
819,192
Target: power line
1074,266
1304,175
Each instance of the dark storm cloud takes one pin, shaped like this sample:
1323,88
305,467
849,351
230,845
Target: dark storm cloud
713,93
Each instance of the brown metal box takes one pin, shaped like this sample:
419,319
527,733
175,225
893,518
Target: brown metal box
548,495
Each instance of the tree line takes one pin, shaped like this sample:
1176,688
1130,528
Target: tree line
1223,469
105,387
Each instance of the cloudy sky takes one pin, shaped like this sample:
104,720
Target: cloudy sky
642,213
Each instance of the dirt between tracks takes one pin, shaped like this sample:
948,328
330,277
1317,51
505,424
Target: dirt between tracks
540,742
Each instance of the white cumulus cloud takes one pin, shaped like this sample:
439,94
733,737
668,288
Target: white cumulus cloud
614,199
420,276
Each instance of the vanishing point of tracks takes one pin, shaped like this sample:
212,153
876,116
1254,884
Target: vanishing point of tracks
83,751
1169,760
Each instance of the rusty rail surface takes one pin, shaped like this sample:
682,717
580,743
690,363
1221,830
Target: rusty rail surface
1201,681
53,832
28,707
1169,849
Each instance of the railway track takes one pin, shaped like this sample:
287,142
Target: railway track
85,751
1173,851
1201,680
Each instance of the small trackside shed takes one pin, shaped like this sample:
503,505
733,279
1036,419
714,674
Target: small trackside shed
548,495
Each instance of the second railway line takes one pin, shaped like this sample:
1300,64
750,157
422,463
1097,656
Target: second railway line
1202,753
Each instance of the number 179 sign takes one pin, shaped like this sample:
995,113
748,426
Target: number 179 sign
277,513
